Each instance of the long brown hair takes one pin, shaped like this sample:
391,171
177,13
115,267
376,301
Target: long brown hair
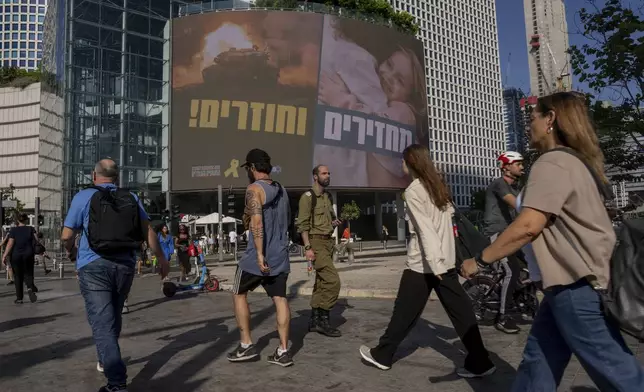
418,161
574,127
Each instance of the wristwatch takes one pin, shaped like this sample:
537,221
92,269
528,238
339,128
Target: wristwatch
479,261
307,247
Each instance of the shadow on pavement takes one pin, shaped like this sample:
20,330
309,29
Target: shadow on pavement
299,327
157,301
183,377
439,338
25,322
15,364
355,267
12,293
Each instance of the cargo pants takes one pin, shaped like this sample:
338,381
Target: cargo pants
327,281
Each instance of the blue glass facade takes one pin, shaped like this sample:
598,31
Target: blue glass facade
109,61
21,28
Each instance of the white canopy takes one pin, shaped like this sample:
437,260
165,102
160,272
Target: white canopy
213,219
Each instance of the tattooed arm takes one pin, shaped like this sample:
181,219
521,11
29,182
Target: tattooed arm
255,199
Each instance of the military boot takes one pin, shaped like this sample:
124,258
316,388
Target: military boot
314,320
322,325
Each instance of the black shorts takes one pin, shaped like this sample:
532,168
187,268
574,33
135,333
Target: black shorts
275,286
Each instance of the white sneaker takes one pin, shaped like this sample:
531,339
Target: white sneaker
99,367
365,352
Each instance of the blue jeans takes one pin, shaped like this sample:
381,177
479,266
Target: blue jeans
570,320
105,285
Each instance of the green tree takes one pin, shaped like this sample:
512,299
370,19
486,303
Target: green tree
378,9
612,64
477,200
17,77
350,212
9,193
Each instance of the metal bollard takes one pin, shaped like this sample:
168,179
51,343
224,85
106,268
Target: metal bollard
351,257
61,269
360,246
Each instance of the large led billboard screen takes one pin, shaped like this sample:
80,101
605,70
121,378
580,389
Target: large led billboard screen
307,88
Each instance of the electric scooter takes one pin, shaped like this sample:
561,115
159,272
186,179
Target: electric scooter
203,281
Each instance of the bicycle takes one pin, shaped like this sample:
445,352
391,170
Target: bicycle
485,292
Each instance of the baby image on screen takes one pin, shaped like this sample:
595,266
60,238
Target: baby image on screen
353,78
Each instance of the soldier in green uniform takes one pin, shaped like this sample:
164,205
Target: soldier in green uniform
316,221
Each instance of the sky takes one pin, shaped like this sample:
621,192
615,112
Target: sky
513,42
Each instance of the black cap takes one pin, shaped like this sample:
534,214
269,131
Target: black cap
256,156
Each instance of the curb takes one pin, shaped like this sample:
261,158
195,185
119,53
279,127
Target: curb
344,292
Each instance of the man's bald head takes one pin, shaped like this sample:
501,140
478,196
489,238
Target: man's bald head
106,171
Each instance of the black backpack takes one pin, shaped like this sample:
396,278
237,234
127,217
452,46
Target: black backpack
622,300
114,222
296,237
469,241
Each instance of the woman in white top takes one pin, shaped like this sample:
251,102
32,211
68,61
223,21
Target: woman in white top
431,263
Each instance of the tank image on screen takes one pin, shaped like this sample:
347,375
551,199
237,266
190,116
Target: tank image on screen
243,66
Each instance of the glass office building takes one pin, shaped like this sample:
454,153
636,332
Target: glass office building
21,25
109,61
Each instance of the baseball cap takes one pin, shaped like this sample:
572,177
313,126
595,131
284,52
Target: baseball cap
255,156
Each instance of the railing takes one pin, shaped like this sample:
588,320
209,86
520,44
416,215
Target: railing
237,5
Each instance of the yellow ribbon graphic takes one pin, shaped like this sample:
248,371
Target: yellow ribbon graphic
234,164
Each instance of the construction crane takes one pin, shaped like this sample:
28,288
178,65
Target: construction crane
507,70
559,84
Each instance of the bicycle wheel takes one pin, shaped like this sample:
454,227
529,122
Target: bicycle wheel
477,288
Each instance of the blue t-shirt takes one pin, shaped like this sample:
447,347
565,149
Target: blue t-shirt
78,219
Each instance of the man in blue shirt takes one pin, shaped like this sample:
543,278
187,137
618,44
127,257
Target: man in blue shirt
106,282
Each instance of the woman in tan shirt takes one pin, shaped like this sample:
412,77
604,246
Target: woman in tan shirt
431,259
572,237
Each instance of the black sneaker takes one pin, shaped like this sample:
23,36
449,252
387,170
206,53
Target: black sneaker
18,302
10,283
47,271
113,388
283,360
242,354
463,372
32,296
505,323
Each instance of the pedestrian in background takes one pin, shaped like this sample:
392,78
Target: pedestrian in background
166,241
385,236
181,244
21,251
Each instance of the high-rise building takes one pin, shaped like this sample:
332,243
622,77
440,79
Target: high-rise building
463,89
547,38
514,122
22,33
